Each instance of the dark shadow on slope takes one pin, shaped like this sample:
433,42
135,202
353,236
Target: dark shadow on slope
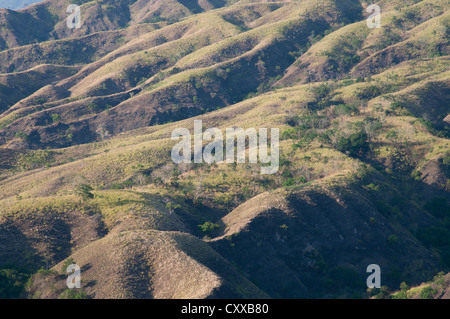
326,242
235,284
17,249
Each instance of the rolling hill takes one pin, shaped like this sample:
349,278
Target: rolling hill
16,4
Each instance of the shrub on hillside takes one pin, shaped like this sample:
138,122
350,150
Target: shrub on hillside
208,227
85,191
354,145
427,293
12,283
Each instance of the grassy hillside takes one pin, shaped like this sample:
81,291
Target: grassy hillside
86,176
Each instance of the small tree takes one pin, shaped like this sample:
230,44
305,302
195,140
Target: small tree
208,227
85,191
384,293
67,263
427,293
23,136
404,286
172,207
354,145
56,117
403,294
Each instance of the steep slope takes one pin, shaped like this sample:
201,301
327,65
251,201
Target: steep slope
17,86
16,4
151,63
438,288
359,51
150,264
300,243
46,20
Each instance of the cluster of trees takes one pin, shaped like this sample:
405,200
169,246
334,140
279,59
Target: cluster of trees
12,282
